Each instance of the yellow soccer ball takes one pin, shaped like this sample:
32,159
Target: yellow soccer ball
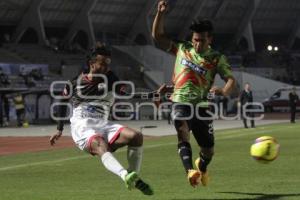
265,149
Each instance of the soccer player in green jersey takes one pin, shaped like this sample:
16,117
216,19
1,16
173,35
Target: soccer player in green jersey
195,68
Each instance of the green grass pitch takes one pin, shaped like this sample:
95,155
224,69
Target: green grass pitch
70,174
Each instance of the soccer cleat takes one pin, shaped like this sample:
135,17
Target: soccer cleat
144,187
193,177
130,180
204,175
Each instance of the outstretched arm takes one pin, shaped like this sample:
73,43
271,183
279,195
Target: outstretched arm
55,137
62,110
158,33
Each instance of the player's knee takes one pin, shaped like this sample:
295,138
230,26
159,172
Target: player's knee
138,138
97,147
207,152
182,131
183,136
180,125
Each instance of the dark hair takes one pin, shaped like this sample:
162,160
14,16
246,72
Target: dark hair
203,25
104,51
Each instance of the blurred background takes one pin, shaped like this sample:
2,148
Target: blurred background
42,41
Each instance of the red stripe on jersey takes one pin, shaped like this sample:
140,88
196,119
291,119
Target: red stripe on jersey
187,77
175,78
116,136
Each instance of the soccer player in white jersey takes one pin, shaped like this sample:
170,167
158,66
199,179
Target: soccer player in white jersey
92,97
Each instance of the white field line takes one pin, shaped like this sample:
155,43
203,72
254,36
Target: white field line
226,136
70,158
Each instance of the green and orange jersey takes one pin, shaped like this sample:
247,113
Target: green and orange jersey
194,73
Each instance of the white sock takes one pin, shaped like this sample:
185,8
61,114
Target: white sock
111,163
134,157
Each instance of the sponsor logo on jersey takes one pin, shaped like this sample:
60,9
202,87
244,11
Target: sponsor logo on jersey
196,68
91,109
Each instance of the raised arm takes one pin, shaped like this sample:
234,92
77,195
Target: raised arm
158,33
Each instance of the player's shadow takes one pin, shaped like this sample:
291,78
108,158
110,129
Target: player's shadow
256,196
262,196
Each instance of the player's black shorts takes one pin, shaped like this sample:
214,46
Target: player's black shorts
202,128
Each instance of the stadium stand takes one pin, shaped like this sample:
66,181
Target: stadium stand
60,33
